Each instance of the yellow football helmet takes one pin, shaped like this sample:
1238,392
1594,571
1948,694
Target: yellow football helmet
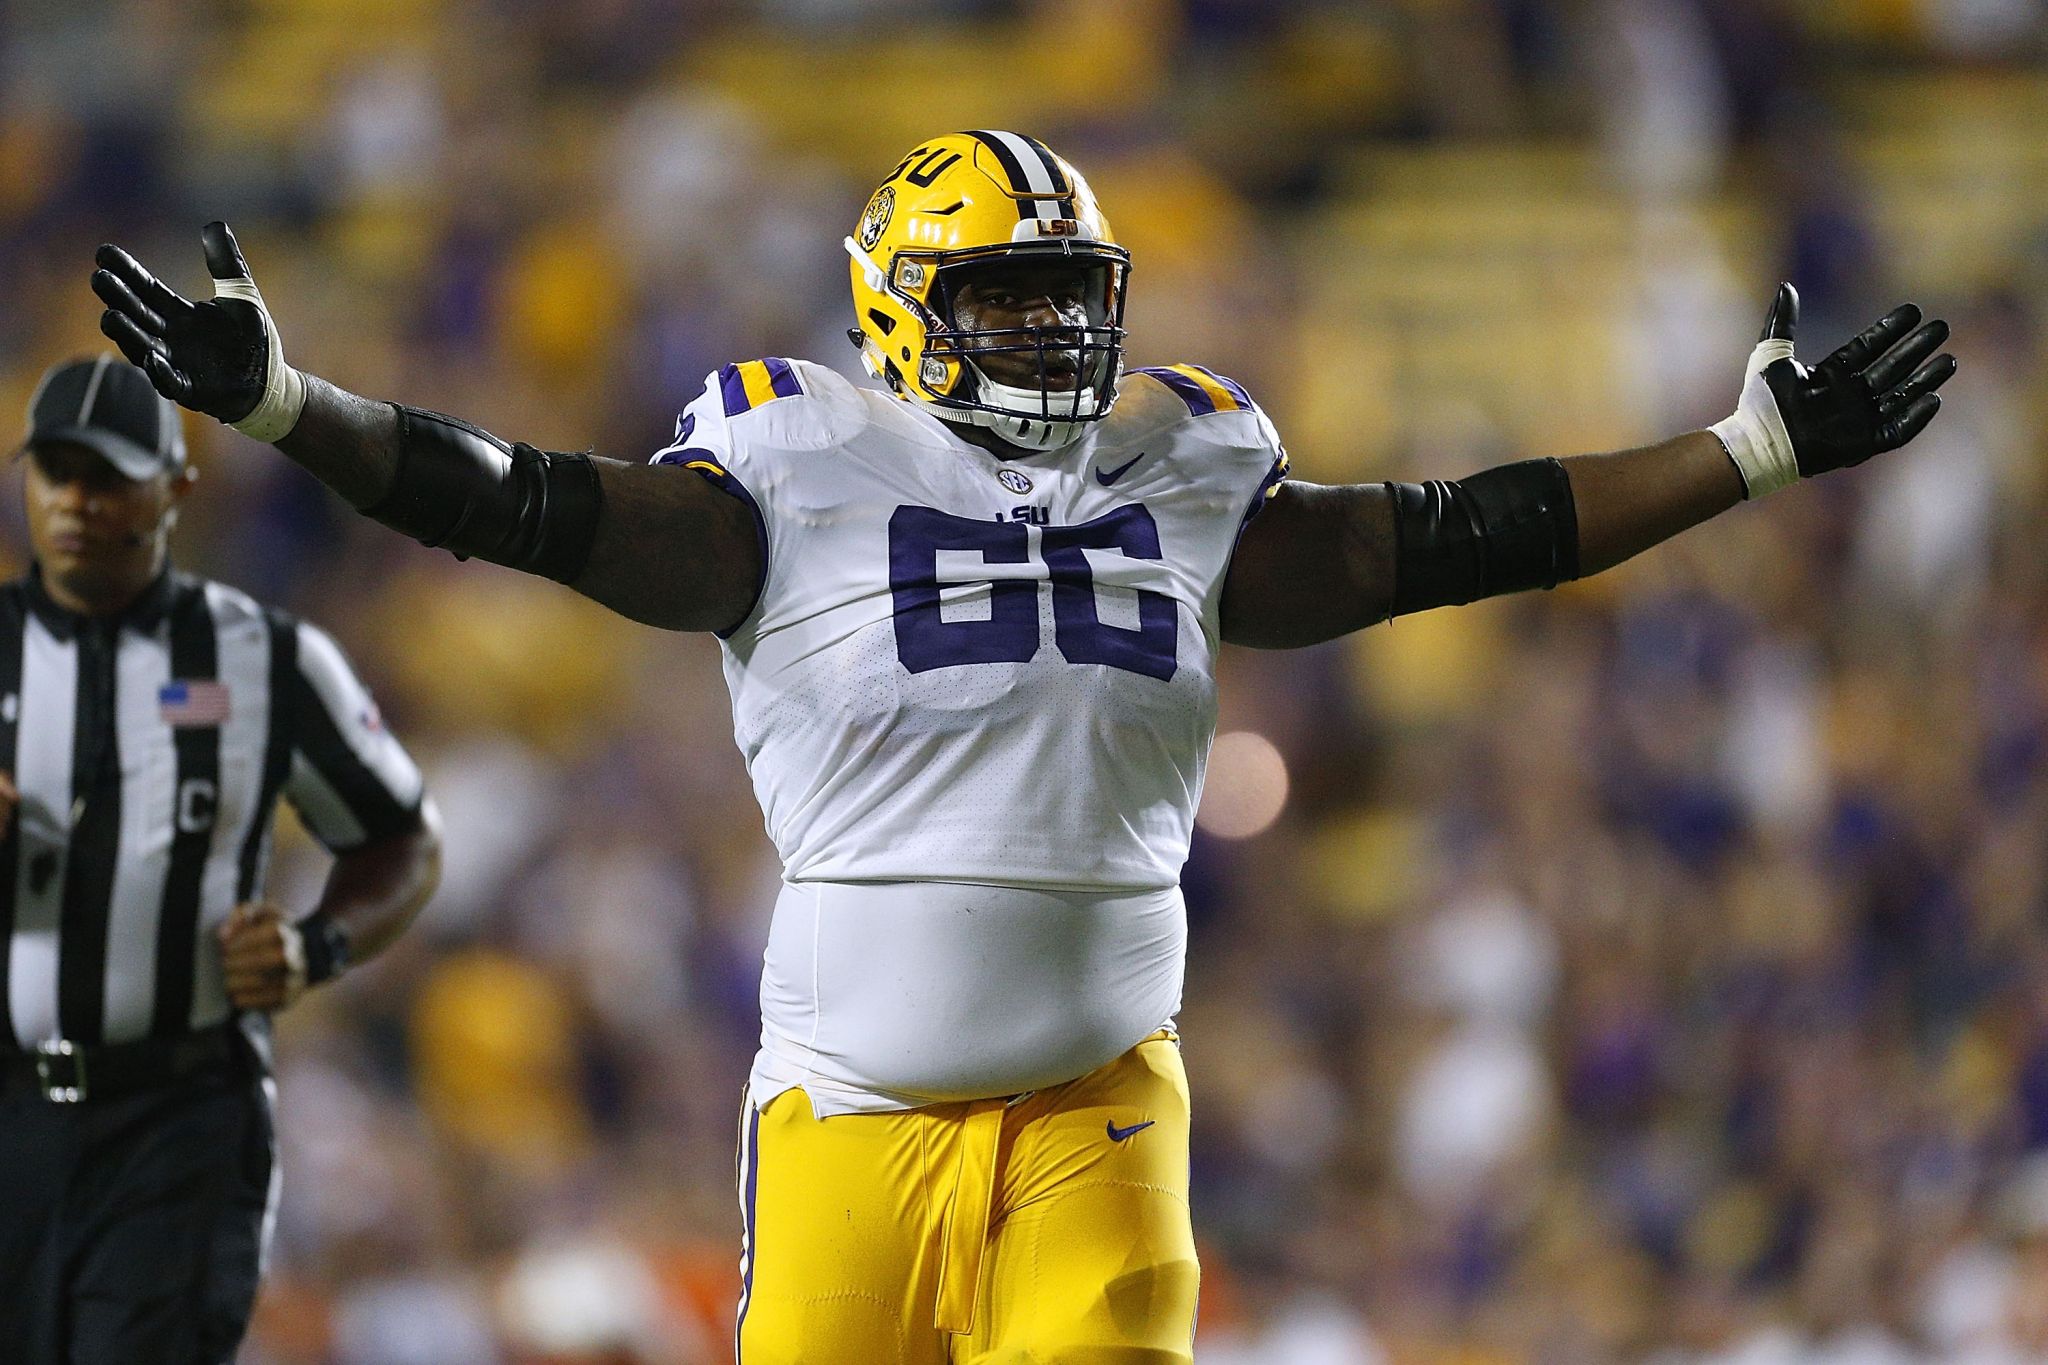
965,200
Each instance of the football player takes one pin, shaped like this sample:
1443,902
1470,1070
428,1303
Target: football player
970,620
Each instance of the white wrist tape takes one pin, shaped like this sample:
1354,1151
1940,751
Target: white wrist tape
284,388
1755,435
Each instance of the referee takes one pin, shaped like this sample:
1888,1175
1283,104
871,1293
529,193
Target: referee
149,721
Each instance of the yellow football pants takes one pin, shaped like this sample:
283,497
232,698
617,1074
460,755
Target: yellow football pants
1051,1230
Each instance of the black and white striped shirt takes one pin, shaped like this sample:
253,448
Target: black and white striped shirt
149,751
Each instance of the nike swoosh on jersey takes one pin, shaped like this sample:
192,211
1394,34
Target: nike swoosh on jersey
1110,476
1117,1134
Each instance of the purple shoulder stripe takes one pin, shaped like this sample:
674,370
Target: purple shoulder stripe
1230,386
733,381
1193,394
782,380
733,390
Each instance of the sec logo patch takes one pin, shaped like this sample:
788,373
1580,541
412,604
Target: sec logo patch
876,219
1012,480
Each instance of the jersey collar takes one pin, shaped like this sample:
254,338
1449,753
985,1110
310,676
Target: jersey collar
144,614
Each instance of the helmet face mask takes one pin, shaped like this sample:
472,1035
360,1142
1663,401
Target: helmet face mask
967,212
1064,371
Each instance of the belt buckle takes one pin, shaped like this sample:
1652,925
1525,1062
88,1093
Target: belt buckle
60,1071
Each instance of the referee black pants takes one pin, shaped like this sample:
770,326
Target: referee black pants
131,1228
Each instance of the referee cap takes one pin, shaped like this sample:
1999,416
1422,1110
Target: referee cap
108,406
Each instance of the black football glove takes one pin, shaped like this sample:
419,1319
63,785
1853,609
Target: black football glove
1874,394
221,357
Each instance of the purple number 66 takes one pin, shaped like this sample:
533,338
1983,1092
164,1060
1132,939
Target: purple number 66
1009,633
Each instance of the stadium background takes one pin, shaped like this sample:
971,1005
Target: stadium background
1649,971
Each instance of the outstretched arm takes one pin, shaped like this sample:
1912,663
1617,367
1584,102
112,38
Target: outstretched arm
1320,562
667,548
656,544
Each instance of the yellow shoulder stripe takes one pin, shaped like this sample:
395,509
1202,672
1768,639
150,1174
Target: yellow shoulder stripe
1223,398
749,384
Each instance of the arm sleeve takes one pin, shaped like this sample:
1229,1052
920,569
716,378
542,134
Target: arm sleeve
350,781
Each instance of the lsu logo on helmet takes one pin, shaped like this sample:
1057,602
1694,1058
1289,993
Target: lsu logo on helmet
876,219
965,200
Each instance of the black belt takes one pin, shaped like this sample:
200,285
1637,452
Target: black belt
67,1073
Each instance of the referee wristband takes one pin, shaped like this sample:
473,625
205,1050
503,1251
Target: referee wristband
326,947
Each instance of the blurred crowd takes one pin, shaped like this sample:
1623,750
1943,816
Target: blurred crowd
1651,971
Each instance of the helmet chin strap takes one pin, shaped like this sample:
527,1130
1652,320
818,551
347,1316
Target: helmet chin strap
1027,432
1032,433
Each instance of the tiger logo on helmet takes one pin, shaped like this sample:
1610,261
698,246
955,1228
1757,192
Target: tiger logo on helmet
968,200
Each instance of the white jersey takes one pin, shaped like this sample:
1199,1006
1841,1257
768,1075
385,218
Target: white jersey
976,670
891,995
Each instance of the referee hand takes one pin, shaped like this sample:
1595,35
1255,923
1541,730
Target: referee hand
263,962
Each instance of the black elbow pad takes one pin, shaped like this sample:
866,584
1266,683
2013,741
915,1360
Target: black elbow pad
461,488
1499,531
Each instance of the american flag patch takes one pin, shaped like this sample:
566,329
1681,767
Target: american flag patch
192,703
